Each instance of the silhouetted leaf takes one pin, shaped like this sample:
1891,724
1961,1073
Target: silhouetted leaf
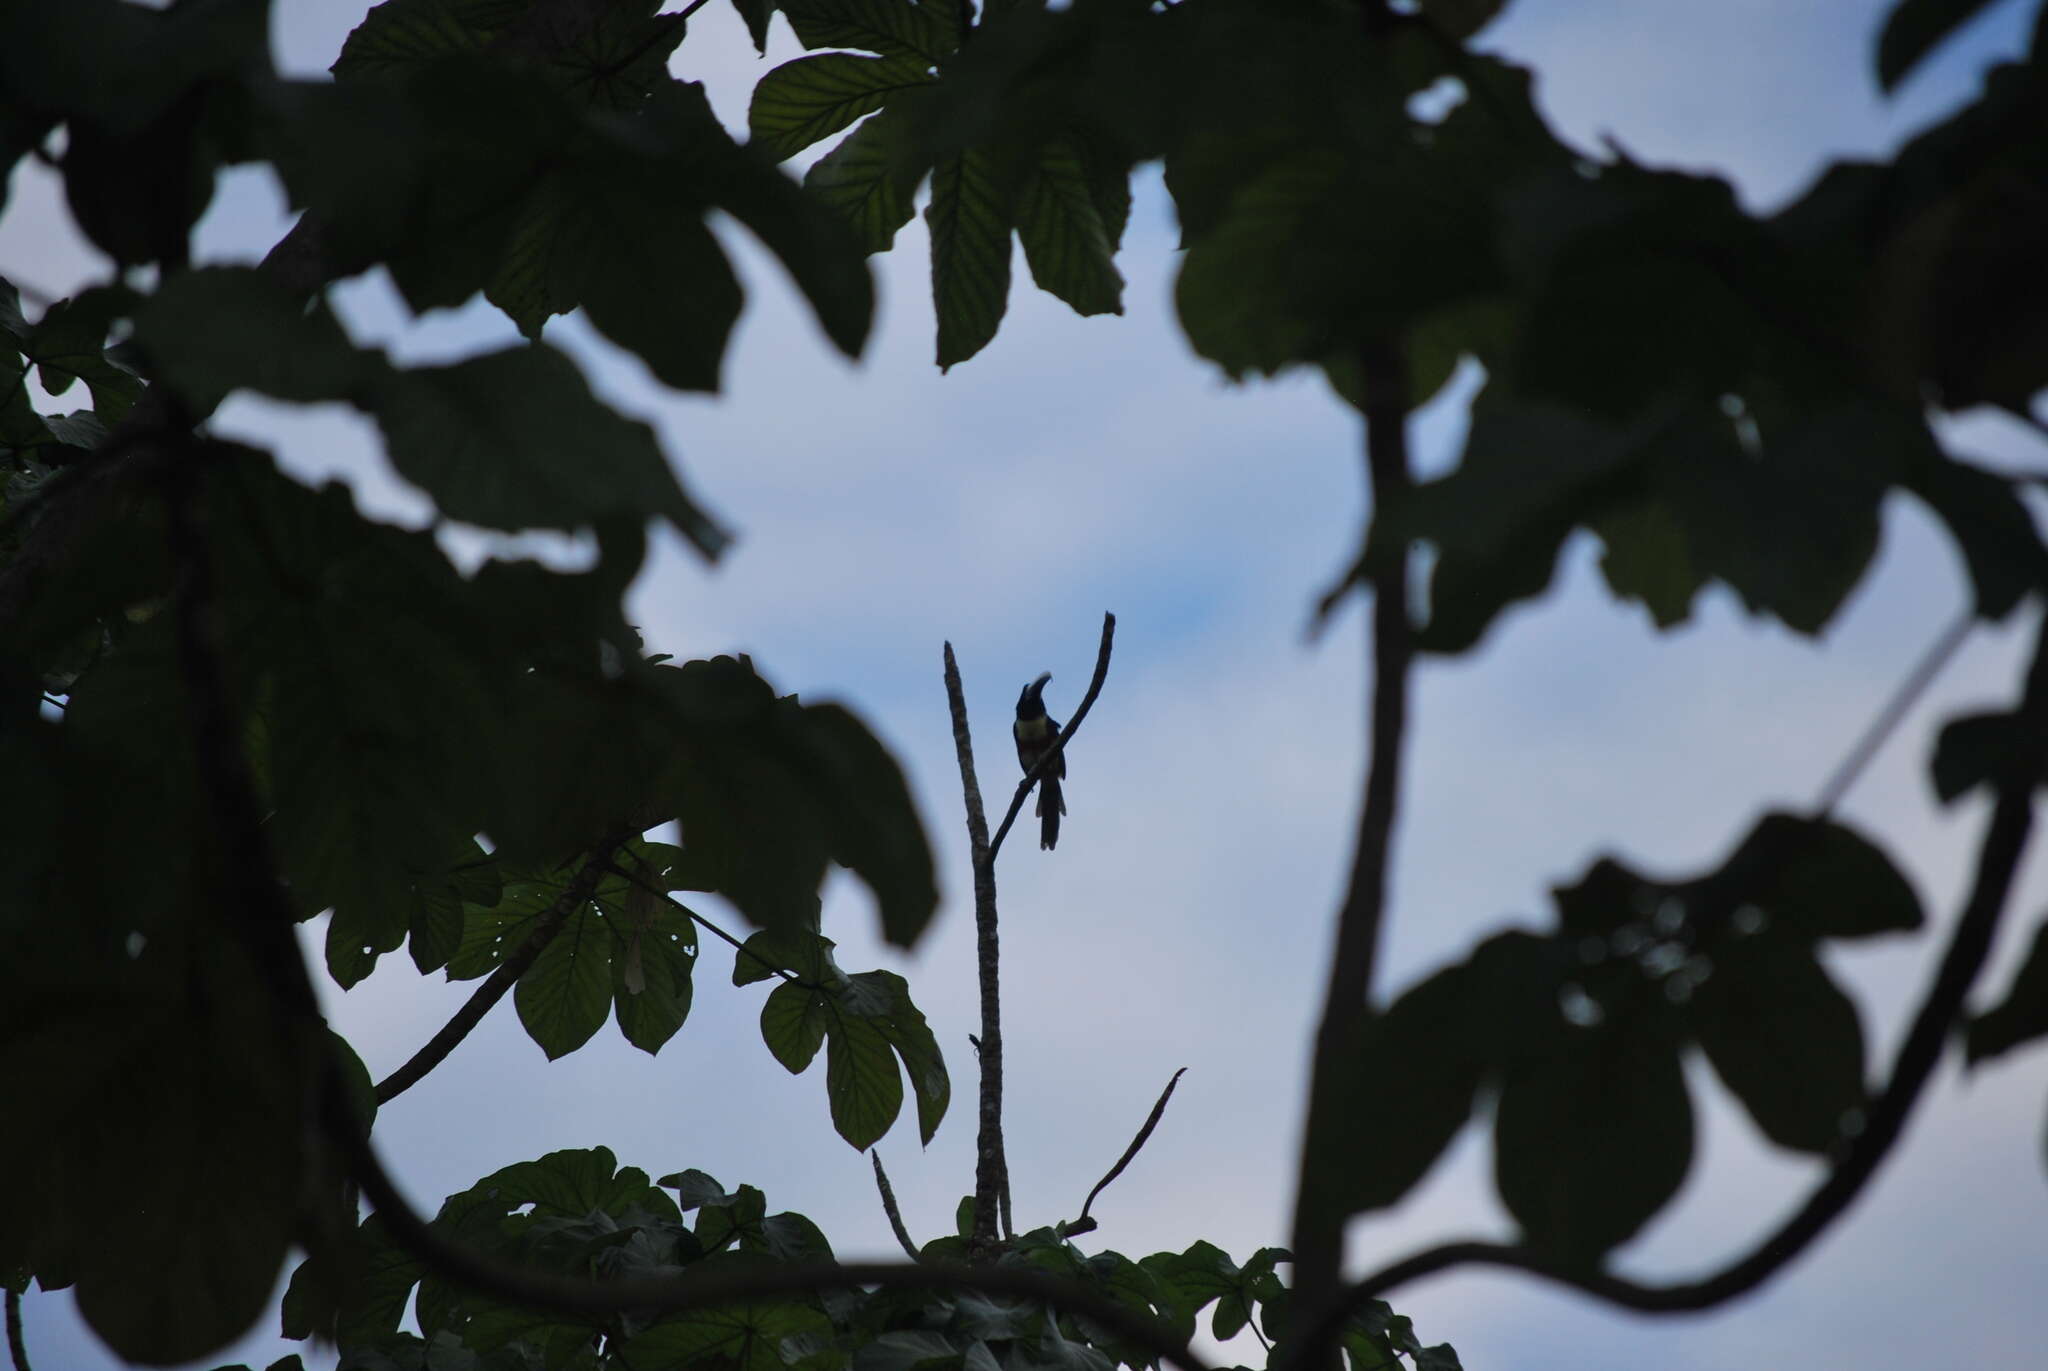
515,439
1828,881
1592,1140
2021,1017
1984,514
1414,1078
1915,28
1974,750
220,329
1763,994
1460,18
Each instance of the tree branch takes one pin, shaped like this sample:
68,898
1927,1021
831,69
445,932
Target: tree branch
990,1166
1084,1224
2005,842
1059,744
1895,710
889,1207
1318,1243
16,1347
651,1295
503,976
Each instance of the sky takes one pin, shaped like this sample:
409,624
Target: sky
1079,466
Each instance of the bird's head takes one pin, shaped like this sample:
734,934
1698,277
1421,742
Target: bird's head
1031,704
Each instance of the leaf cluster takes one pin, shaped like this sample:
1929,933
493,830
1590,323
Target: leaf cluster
578,1213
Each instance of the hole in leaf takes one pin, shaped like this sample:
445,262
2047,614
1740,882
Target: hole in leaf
1577,1006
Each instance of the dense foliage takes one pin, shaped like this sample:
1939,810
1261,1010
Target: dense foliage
237,702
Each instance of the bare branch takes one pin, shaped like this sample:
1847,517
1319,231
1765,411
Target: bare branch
1895,710
502,978
1998,858
990,1167
1060,743
889,1207
1151,1122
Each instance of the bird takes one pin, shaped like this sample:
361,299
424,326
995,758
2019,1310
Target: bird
1035,732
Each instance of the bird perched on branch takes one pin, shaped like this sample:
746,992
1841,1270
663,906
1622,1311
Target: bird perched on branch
1035,733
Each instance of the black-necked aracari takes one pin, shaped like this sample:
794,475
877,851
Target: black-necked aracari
1035,732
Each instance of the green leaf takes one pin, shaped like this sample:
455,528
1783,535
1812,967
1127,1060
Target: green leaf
653,279
69,343
1499,520
695,1189
869,181
746,1338
377,696
564,997
654,955
1913,30
772,791
822,253
568,1184
1066,242
515,440
206,1195
911,1037
811,98
894,28
861,1082
793,1022
1592,1140
798,951
400,35
220,329
1764,993
2021,1016
969,219
877,833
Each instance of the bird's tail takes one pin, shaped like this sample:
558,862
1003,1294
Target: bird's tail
1052,802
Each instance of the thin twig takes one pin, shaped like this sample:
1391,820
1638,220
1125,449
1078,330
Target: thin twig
692,8
1151,1122
1895,710
889,1207
1318,1220
706,924
1998,858
516,964
990,1167
1059,744
16,1347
